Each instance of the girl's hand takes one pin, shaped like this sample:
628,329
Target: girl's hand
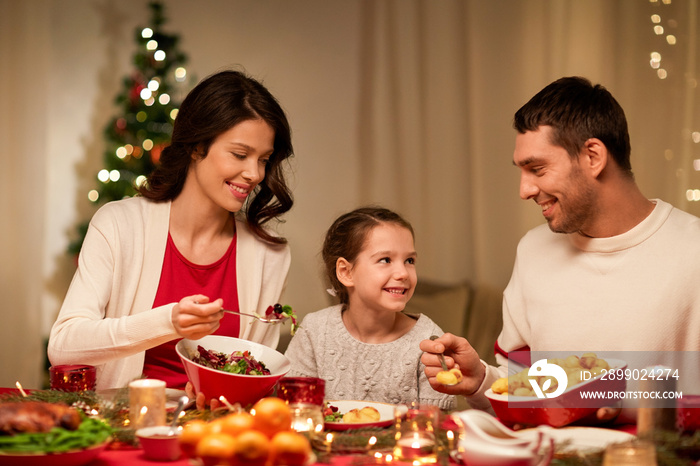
195,317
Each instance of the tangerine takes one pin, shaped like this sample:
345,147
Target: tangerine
289,448
252,448
235,424
191,434
271,415
215,449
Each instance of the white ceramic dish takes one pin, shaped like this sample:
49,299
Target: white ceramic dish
582,439
386,414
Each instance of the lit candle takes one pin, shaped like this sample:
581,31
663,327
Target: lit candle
415,447
637,453
21,390
450,440
146,403
329,442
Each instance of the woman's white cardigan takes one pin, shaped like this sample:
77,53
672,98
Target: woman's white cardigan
107,319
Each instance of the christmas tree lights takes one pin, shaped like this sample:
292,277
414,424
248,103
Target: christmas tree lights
148,106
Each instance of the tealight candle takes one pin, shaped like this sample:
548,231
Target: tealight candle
72,377
415,434
304,395
146,403
630,453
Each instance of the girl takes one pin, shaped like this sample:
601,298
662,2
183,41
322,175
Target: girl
366,348
160,267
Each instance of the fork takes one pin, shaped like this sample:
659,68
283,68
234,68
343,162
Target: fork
254,316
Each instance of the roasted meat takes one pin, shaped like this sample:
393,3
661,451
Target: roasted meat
36,416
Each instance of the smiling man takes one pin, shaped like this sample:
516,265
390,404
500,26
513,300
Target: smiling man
611,271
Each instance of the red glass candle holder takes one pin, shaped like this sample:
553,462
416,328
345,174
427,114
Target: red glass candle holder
688,412
308,390
73,378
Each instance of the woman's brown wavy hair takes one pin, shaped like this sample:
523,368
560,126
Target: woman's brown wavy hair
214,106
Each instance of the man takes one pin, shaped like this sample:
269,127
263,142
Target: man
611,271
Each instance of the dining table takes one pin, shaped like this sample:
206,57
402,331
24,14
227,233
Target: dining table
121,453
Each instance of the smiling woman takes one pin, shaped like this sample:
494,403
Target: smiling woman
160,267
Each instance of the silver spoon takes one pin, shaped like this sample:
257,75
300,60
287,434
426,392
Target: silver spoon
176,415
446,376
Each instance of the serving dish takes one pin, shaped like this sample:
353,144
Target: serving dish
386,414
562,410
580,439
68,458
236,388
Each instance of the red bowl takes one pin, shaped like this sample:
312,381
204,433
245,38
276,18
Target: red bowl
565,409
237,388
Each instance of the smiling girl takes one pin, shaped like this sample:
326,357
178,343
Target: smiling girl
366,347
160,267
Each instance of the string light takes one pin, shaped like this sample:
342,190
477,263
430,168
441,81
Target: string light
180,74
147,33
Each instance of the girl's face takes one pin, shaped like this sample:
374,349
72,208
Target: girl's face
235,164
383,277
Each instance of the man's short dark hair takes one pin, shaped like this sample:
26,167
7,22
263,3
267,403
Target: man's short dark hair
577,111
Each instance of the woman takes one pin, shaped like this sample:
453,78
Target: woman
161,266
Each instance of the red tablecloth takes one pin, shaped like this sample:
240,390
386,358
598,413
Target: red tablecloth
135,458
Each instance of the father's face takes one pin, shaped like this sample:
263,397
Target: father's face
550,177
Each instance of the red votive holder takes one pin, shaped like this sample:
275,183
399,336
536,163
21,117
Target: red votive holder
73,378
307,390
688,413
304,395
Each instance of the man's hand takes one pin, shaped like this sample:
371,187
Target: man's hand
458,353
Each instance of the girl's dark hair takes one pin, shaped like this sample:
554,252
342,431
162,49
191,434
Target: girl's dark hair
578,110
347,236
214,106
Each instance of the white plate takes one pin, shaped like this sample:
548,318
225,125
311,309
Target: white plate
386,414
584,439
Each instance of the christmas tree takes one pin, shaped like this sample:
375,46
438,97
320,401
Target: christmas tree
135,138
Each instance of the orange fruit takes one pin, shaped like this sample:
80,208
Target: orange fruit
271,415
252,448
235,424
191,434
289,448
215,449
